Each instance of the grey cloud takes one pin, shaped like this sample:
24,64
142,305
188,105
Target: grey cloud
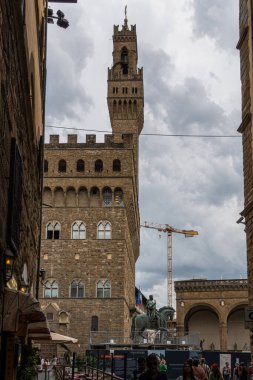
188,109
68,52
215,19
187,182
184,108
192,107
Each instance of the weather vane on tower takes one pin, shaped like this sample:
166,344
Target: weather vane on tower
125,21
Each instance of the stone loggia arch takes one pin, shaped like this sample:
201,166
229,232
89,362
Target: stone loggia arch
215,310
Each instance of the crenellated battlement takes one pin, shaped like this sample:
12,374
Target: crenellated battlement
110,141
125,31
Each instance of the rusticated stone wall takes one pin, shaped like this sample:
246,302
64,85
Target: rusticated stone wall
21,115
246,128
90,259
21,124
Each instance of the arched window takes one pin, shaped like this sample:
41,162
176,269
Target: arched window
71,197
124,60
78,230
107,196
94,323
59,199
103,289
77,289
99,166
83,199
114,106
45,166
80,166
104,230
135,107
47,197
130,108
62,166
51,289
95,197
118,196
116,166
125,108
53,230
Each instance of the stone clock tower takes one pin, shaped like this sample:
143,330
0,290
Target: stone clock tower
90,231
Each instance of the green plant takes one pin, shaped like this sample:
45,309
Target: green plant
28,365
81,361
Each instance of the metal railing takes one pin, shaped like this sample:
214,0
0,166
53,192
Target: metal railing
94,368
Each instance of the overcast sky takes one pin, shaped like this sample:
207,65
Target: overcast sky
192,86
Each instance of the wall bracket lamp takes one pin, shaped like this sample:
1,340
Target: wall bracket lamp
9,260
42,274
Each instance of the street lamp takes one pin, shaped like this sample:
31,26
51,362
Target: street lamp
61,21
23,286
9,259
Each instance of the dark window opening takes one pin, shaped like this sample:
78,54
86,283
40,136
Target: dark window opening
99,166
45,166
124,60
62,166
94,323
80,166
116,167
107,196
77,289
50,316
125,69
94,191
53,231
49,234
56,235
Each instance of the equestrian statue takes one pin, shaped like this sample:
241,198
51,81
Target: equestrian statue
154,320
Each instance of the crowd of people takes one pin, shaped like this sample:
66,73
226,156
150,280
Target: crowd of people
45,364
155,368
152,368
195,369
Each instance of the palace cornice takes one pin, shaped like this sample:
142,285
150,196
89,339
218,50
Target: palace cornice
210,285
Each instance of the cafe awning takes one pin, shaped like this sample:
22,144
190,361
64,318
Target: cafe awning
39,330
20,308
58,338
50,336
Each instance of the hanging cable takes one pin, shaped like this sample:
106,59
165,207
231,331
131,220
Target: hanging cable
148,134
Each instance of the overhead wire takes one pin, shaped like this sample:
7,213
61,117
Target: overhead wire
148,134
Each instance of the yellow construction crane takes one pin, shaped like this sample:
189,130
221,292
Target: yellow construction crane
169,230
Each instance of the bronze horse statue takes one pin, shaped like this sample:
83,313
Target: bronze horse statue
141,322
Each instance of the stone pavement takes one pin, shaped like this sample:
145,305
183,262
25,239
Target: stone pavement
48,375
